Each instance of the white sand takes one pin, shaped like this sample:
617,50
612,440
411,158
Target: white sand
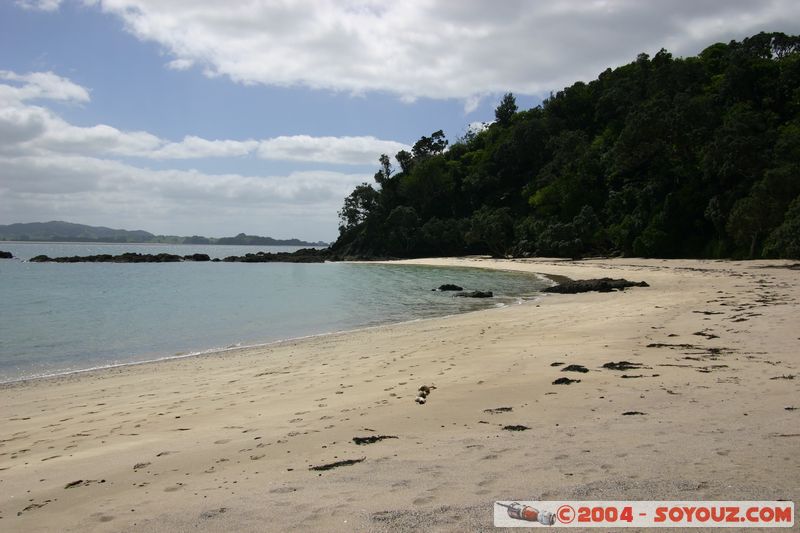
224,442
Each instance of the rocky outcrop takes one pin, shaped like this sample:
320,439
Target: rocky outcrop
475,294
589,285
6,255
449,287
108,258
306,255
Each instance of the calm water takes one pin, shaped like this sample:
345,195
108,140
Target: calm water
65,317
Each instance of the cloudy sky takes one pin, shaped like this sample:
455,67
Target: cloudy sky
218,117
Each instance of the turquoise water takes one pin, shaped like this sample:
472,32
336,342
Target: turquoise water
58,318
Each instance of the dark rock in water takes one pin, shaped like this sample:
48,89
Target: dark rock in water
622,365
372,439
9,255
107,258
516,428
476,294
565,381
575,368
308,255
304,255
449,287
197,257
599,285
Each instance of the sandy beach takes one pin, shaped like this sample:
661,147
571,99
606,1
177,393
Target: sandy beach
709,410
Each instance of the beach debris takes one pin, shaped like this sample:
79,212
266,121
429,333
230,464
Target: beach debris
82,483
575,368
622,365
516,428
589,285
557,363
785,376
475,294
372,439
213,512
497,410
790,408
709,312
565,381
139,466
705,333
423,392
448,287
337,464
626,376
632,413
33,506
668,345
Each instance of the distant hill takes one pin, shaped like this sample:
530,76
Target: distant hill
59,231
662,157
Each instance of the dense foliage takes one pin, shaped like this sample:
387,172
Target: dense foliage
663,157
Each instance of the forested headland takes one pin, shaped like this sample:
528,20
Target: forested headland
663,157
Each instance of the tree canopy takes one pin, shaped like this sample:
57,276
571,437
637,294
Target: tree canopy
662,157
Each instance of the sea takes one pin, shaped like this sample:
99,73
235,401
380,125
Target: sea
62,318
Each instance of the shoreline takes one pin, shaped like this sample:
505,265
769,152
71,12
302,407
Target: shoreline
218,351
227,443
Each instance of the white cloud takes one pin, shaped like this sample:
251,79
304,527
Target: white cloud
51,169
435,49
342,150
180,64
32,129
56,186
41,5
192,147
40,85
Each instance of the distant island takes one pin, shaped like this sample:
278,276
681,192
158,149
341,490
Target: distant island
59,231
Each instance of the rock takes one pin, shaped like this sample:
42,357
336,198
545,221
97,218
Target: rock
107,258
622,365
476,294
575,368
565,381
372,439
304,255
196,257
449,287
516,428
420,400
599,285
9,255
337,464
308,255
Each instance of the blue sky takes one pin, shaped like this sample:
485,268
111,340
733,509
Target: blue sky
205,117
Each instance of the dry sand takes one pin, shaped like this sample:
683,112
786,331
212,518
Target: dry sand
224,442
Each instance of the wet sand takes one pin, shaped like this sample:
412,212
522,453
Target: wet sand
229,442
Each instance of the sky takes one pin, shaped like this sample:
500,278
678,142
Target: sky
201,117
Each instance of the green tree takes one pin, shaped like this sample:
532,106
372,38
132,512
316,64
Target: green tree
506,109
357,207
